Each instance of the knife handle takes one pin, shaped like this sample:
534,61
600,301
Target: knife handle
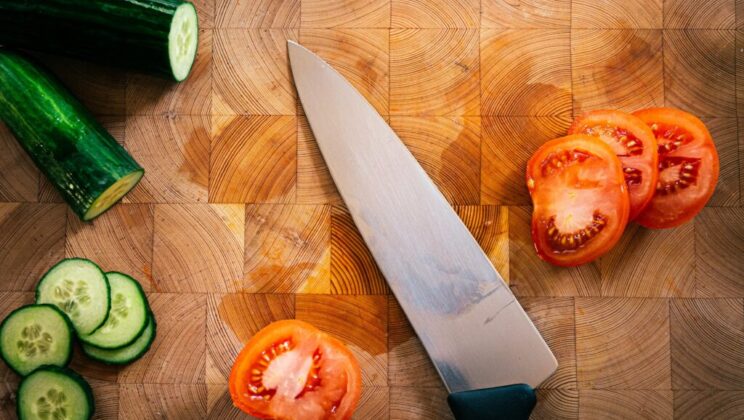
511,402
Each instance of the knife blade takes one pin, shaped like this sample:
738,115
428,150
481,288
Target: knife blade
474,330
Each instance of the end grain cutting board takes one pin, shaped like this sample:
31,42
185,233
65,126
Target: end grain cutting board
237,222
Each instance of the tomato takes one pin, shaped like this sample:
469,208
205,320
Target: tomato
688,167
292,370
634,143
580,199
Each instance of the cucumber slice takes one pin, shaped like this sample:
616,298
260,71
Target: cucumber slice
80,289
54,393
35,335
183,39
127,354
127,317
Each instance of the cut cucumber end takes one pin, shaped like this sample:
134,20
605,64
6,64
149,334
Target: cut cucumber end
183,39
114,193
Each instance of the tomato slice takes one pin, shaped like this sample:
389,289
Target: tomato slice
292,370
580,199
688,167
634,143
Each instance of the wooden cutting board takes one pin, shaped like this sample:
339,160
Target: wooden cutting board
237,222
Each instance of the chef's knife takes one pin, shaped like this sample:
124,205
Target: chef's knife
485,348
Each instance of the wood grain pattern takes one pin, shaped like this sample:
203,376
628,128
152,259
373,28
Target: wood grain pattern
699,72
353,269
251,72
418,403
556,404
314,182
175,152
525,72
106,396
695,405
531,276
706,336
489,225
118,240
435,13
449,151
253,159
177,356
717,14
148,95
719,268
158,401
220,405
408,363
345,13
606,404
32,240
257,13
288,249
19,178
198,247
526,14
642,264
507,144
617,14
374,403
428,81
232,319
359,321
622,343
620,69
725,136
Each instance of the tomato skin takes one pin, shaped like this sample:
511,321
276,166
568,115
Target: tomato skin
674,209
641,162
345,394
593,184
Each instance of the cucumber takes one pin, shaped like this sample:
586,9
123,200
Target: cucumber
127,354
80,289
127,317
86,165
35,335
54,393
155,36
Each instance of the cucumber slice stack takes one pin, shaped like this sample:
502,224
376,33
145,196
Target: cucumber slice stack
108,312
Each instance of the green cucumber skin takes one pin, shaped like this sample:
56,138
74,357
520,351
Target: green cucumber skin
67,144
135,357
64,316
128,33
60,371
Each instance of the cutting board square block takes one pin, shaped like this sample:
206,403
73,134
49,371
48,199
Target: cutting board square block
719,266
617,14
345,13
435,13
257,13
535,14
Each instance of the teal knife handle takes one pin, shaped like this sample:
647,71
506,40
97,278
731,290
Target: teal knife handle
511,402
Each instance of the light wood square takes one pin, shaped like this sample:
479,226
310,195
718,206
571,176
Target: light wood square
617,14
178,354
251,72
694,405
232,319
253,159
525,72
198,247
625,404
448,148
257,13
353,269
692,14
174,150
314,182
220,405
434,81
435,13
374,403
556,404
719,266
526,14
32,241
489,225
707,337
19,178
118,240
531,276
415,402
507,145
150,95
360,55
287,249
622,343
725,136
152,401
651,263
408,362
700,72
620,69
345,13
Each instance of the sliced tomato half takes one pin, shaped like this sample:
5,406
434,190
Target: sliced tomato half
292,370
580,199
688,167
634,143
